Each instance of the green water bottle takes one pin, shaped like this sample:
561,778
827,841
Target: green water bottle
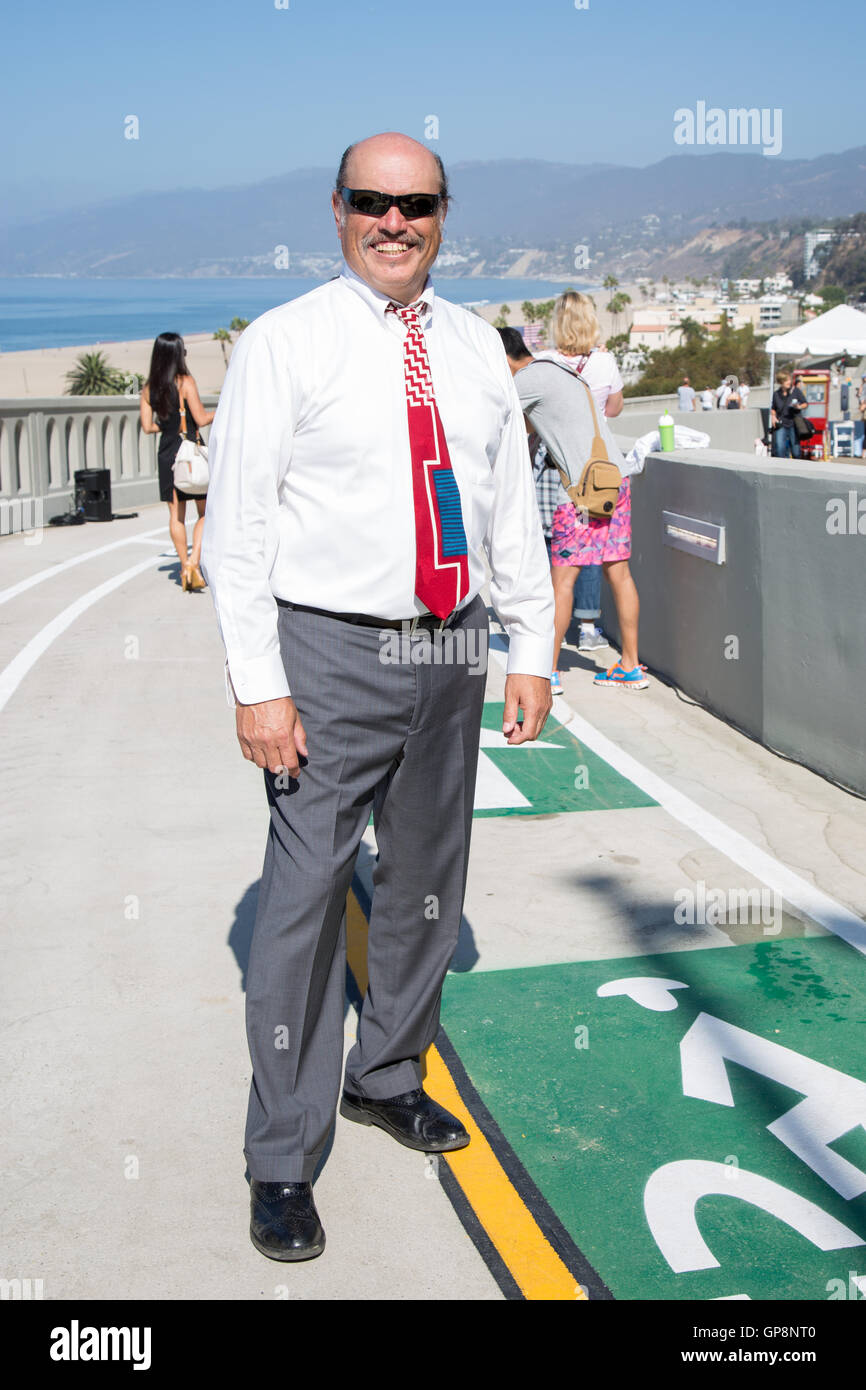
666,431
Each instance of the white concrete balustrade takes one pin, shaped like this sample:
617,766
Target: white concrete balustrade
43,442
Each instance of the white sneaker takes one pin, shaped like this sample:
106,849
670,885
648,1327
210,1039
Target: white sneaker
592,641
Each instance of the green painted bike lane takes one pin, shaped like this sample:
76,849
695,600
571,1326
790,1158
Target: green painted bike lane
554,774
694,1119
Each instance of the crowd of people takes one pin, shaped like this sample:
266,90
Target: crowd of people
787,403
730,394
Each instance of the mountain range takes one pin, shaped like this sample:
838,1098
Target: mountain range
501,210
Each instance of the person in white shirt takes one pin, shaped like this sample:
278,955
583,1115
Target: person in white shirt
368,453
745,390
707,398
575,331
685,395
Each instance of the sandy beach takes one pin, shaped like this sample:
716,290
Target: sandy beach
41,372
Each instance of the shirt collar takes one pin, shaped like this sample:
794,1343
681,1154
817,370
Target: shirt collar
379,302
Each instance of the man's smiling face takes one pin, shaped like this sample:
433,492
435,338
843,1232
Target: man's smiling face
391,253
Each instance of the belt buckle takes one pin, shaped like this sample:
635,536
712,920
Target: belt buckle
413,622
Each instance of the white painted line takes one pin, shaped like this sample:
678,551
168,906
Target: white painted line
801,894
13,674
15,589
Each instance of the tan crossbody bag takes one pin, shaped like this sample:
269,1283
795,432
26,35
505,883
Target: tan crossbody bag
598,486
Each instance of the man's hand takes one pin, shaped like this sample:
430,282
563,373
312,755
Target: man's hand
271,735
532,695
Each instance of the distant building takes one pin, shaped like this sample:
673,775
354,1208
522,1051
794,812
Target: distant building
648,335
770,311
778,284
811,243
775,310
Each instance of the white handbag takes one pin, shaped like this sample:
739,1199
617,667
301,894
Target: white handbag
190,467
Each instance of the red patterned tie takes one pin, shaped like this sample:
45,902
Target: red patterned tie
441,566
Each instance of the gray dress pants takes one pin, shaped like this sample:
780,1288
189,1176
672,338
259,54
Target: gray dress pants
395,732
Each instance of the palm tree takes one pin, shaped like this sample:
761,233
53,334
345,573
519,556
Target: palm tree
617,303
610,282
93,376
501,320
223,336
691,332
544,313
238,325
527,309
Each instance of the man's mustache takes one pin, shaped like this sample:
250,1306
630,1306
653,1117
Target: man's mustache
377,239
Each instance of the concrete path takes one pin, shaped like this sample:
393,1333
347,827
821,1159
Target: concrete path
132,835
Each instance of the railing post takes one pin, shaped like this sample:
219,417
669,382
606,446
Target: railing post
38,449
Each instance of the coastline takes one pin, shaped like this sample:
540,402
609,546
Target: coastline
34,373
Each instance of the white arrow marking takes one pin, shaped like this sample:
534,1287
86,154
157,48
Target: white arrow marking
646,990
493,790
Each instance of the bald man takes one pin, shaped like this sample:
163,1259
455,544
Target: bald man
368,454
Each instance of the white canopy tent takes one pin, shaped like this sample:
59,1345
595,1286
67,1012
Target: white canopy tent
841,331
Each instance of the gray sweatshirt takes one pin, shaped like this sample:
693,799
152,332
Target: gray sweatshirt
558,407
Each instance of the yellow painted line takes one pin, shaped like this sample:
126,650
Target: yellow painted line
526,1252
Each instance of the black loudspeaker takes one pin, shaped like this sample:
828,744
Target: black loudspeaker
93,493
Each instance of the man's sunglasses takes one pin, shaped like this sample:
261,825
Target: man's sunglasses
410,205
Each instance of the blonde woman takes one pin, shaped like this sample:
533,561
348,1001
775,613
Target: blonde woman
576,333
594,545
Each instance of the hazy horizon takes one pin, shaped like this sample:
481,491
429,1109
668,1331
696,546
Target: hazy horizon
225,94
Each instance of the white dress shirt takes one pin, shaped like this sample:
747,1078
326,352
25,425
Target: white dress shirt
310,497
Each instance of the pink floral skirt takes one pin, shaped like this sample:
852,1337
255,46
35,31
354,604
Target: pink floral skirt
593,541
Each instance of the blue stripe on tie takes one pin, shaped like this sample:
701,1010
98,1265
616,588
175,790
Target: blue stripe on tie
448,497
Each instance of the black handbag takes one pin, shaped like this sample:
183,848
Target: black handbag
802,426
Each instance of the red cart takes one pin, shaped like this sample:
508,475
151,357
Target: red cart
815,385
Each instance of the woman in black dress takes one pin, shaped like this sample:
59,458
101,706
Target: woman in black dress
169,390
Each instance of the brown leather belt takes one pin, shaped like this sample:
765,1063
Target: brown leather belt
426,622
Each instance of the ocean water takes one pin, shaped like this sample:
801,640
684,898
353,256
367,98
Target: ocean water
47,311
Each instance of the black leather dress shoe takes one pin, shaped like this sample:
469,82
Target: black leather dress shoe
413,1119
284,1223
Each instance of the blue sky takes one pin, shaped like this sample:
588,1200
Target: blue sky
231,91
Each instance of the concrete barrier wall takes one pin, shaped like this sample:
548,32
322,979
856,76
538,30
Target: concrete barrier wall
734,430
44,442
760,395
774,639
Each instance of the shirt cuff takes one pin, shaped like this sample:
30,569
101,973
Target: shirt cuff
252,682
530,656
